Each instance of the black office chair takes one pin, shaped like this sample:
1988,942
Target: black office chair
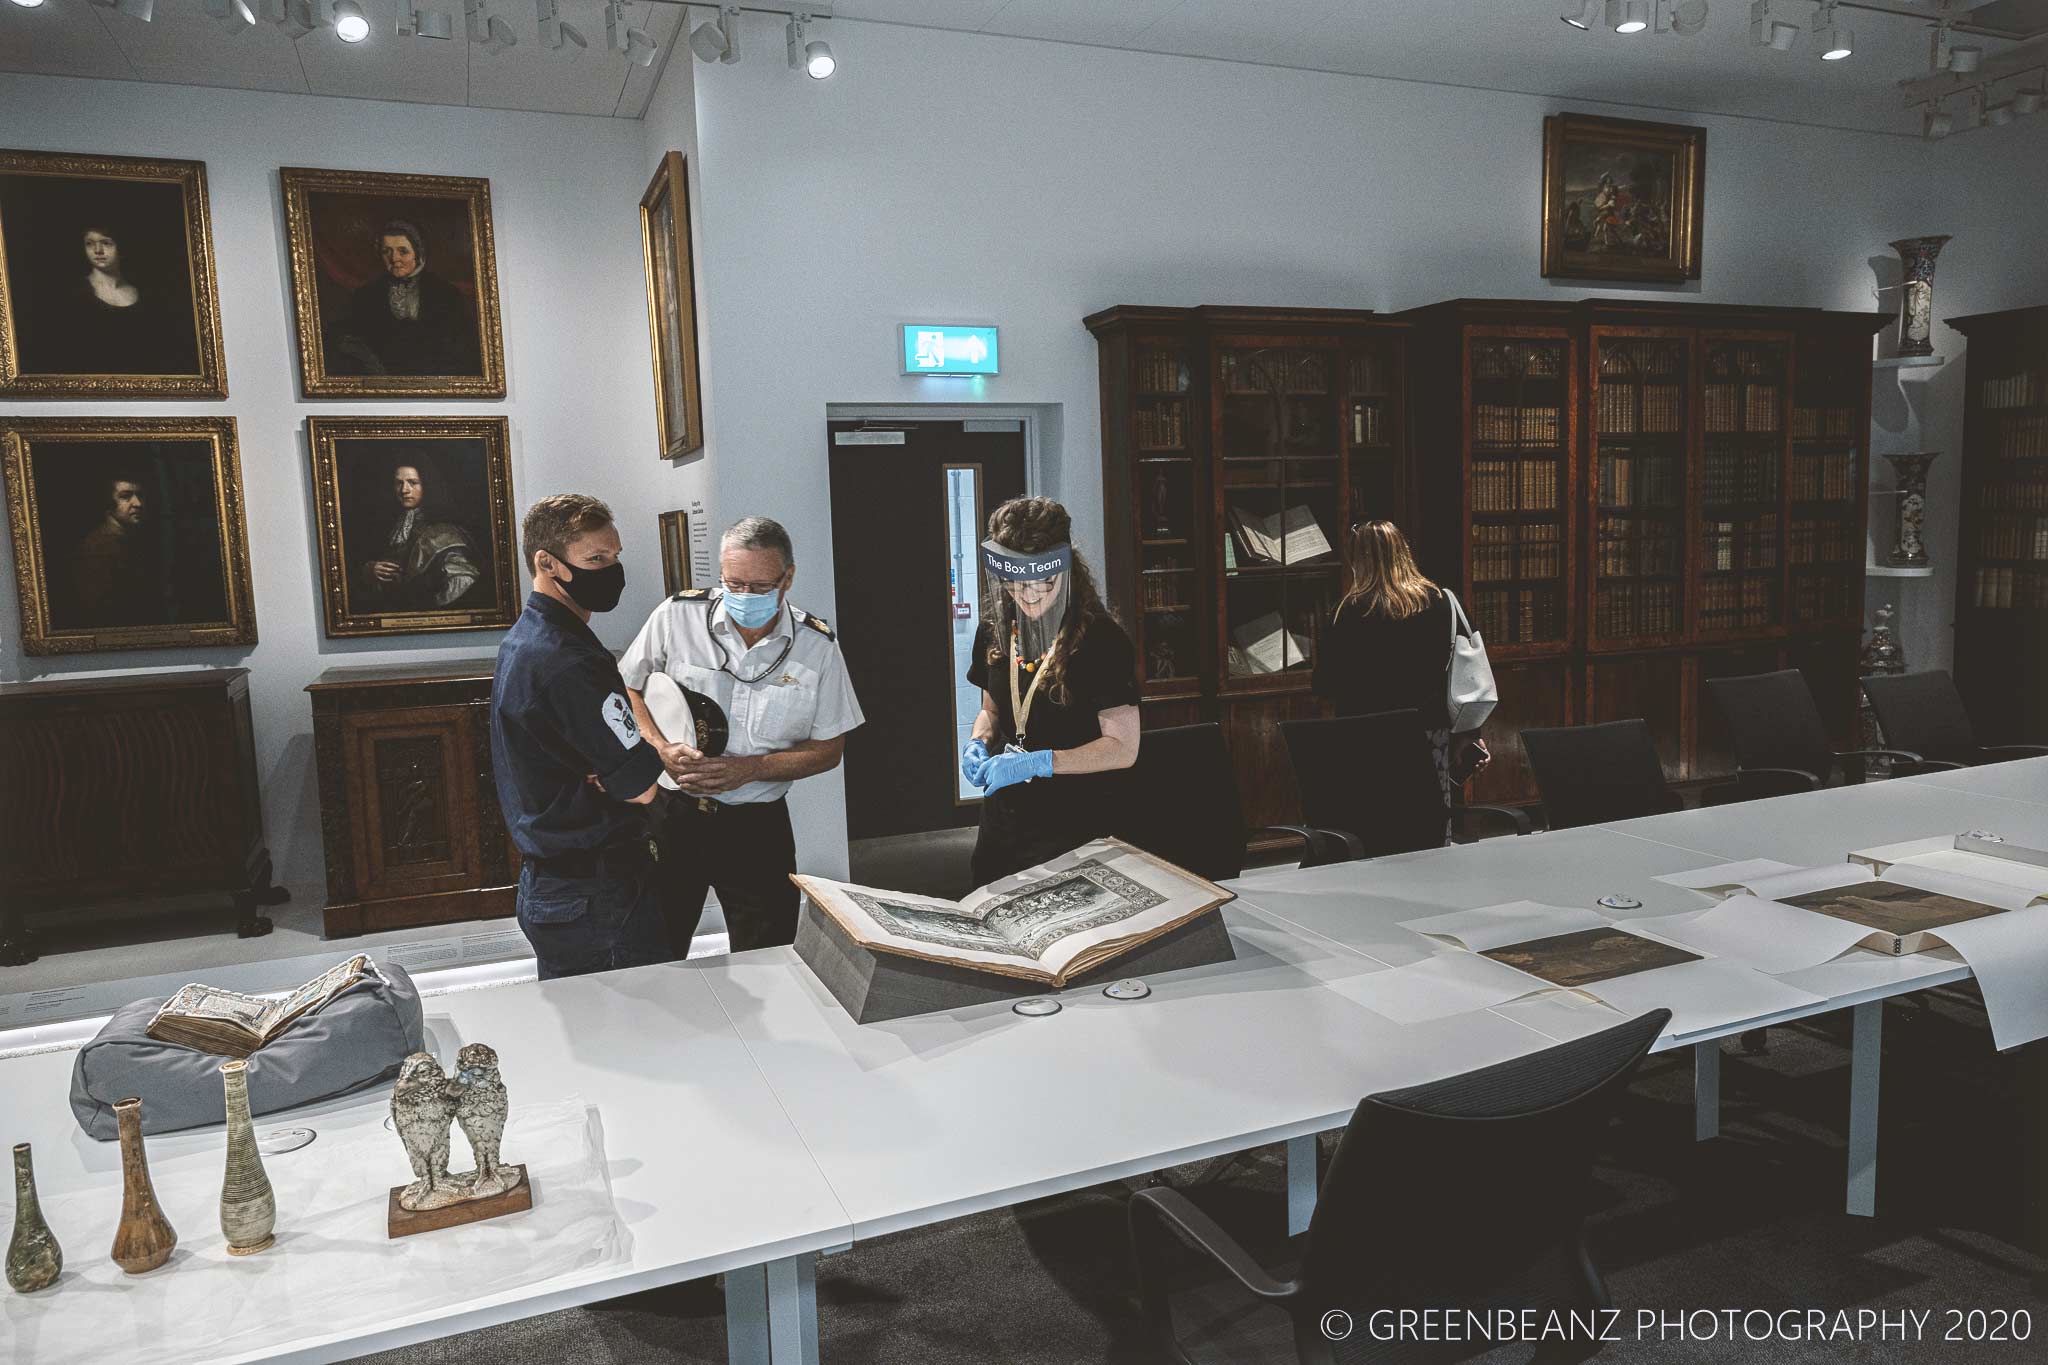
1781,745
1373,777
1590,774
1924,713
1181,803
1446,1194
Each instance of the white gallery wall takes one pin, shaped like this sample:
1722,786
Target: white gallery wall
579,399
958,177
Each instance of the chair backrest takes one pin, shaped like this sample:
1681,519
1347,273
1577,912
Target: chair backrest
1442,1191
1372,776
1774,722
1590,774
1923,713
1180,801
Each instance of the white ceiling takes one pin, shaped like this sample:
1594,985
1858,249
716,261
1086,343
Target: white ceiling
1515,45
182,46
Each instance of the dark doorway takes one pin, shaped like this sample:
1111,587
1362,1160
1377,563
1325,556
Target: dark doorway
909,504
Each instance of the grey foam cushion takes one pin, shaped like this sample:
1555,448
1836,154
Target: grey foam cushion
357,1040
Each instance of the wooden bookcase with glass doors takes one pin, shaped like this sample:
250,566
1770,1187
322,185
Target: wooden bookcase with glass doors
1238,445
1634,498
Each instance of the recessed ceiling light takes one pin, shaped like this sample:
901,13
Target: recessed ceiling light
349,24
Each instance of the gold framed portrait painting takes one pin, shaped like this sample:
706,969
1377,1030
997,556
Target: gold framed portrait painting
395,283
415,524
1622,199
128,533
674,530
106,279
672,307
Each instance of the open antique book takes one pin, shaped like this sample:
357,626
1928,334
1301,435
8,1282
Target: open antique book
235,1025
1049,923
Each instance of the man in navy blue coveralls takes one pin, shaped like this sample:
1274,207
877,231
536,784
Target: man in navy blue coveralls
574,776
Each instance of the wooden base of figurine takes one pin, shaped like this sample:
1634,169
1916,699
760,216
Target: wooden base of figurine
404,1222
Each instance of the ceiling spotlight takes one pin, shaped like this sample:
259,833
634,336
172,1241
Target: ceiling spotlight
232,15
414,22
134,9
1965,59
1765,31
349,24
640,49
718,40
1834,41
1628,16
1998,115
1578,14
295,17
555,35
814,57
1936,123
1688,17
497,37
2027,101
29,4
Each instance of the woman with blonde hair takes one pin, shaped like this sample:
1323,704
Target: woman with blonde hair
1388,647
1059,695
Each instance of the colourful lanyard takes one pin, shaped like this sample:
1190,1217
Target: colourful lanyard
1020,701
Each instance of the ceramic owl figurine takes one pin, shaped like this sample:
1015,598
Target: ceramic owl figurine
423,1104
480,1107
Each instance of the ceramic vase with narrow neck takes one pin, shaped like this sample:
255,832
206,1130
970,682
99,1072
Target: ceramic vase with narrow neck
248,1210
145,1238
1910,476
1916,292
34,1259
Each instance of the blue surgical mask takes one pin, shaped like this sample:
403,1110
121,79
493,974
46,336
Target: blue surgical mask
752,610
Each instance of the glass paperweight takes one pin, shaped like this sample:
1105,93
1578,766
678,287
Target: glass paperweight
278,1141
1036,1005
1127,989
1619,903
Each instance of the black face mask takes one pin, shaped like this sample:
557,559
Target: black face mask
596,590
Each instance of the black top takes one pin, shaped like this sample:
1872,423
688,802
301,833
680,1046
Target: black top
1367,662
559,714
1101,674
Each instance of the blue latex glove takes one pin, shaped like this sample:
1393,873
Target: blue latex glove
1007,768
974,762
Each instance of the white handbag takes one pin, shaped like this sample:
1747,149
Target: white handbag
1469,693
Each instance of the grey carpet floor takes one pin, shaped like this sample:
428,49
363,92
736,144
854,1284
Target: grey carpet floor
1752,1220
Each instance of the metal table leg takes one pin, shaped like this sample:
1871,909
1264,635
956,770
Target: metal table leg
1706,1090
1301,1183
1865,1063
771,1313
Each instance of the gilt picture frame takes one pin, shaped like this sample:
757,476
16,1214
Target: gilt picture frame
673,528
672,308
107,286
415,524
129,532
1623,199
394,285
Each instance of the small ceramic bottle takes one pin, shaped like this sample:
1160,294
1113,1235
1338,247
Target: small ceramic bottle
248,1210
145,1238
33,1257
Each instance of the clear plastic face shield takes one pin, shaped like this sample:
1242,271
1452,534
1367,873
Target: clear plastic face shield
1033,589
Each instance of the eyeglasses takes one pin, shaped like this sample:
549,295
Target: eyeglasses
1032,591
757,589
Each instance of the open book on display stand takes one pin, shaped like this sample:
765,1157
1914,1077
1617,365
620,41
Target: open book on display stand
1290,537
1049,923
231,1024
1265,645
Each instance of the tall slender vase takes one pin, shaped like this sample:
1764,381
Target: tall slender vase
1909,474
1916,293
248,1210
145,1238
33,1257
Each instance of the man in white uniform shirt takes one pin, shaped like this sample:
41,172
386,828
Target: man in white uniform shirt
777,672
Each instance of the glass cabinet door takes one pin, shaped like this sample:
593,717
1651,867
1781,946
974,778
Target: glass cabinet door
1169,534
1824,485
1278,482
1519,444
1638,485
1741,521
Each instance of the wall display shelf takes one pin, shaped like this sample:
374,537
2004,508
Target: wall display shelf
1635,497
1239,444
1908,362
409,815
2001,650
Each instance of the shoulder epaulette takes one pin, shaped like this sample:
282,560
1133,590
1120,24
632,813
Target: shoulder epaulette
817,623
692,595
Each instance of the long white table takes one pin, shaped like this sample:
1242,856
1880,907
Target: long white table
2023,780
706,1170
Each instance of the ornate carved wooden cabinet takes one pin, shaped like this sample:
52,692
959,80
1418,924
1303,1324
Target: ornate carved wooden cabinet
117,789
408,811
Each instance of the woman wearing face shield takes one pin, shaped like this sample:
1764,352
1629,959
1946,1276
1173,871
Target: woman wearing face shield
1059,695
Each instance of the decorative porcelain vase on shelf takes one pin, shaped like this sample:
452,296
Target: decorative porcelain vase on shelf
34,1260
1916,293
248,1210
145,1238
1909,476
